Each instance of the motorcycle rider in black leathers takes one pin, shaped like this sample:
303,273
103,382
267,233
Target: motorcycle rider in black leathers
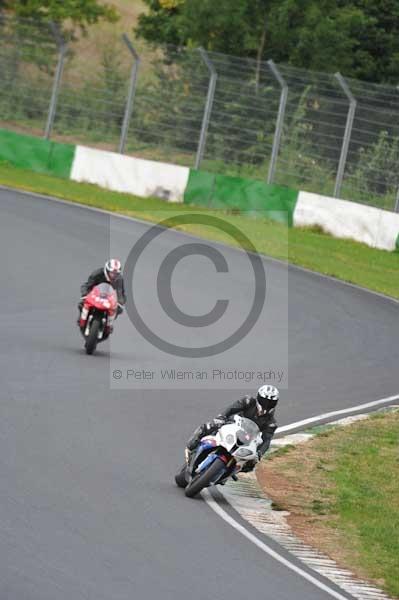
260,410
111,273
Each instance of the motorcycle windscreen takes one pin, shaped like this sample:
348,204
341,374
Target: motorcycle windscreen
248,431
105,290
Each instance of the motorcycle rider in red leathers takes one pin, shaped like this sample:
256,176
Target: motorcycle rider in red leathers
111,273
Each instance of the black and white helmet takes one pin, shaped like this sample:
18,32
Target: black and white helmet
112,269
267,397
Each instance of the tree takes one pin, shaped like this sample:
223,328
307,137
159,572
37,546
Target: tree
161,24
26,39
360,38
224,26
79,13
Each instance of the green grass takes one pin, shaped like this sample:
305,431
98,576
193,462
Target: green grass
362,479
346,260
342,490
366,494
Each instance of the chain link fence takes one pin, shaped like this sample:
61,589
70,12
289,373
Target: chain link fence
312,131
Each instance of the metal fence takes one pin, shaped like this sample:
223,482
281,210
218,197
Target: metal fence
312,131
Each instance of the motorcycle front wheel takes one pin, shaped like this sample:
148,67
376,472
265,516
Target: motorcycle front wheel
180,477
203,480
92,338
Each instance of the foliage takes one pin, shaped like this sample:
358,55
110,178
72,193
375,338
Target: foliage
113,85
170,108
359,38
381,157
223,26
78,13
160,25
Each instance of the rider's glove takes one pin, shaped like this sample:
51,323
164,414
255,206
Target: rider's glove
219,421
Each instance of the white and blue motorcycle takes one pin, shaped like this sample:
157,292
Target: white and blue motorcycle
220,456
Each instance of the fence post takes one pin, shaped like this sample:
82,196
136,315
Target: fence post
396,209
131,94
62,50
280,120
347,135
208,107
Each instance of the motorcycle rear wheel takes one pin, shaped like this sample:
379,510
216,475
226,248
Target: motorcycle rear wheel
203,480
92,338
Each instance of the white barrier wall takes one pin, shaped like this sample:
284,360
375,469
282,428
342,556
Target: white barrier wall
343,219
130,175
372,226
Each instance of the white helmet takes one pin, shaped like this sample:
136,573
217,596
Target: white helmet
268,396
112,269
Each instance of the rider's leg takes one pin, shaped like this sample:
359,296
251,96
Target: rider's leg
195,438
264,446
198,434
80,306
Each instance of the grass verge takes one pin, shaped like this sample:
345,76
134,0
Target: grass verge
344,259
342,491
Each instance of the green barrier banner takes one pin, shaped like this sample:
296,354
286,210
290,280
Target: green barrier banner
221,191
36,154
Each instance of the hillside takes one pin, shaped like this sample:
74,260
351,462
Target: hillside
105,38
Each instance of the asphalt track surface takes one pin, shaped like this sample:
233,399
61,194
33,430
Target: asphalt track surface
88,508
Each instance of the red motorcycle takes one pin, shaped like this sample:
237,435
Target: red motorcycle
98,314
